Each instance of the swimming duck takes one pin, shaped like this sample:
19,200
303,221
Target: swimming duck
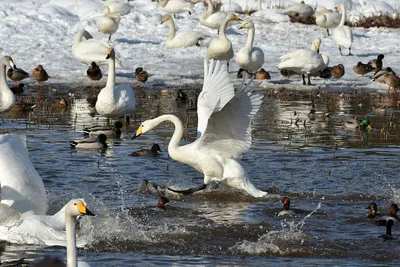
181,95
96,130
153,152
362,68
94,72
108,23
376,64
262,75
17,75
40,75
90,143
285,211
7,98
373,210
141,75
392,216
161,202
365,126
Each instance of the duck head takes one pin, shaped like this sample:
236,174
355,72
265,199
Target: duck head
161,202
286,203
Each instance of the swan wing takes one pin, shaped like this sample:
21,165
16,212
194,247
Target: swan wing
343,36
216,92
185,39
228,132
21,186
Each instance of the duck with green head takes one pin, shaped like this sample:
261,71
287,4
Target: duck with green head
96,130
90,143
181,95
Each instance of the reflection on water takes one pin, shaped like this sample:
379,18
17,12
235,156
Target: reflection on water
301,149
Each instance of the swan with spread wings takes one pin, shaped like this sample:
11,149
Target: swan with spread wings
224,130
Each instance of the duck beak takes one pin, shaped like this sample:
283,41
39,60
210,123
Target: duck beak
138,133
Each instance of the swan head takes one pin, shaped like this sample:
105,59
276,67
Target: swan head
316,44
248,24
106,10
165,18
110,54
232,16
339,6
144,128
76,207
7,60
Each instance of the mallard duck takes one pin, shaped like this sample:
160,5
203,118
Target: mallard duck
40,75
263,75
377,63
343,34
96,130
141,75
90,143
17,75
153,152
181,95
94,72
362,68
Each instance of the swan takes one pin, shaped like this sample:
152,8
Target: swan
108,23
328,19
342,34
7,98
299,10
175,6
304,61
250,58
115,100
221,48
224,130
180,39
90,50
23,196
119,7
213,19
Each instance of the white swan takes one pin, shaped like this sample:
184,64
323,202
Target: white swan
108,23
175,6
304,61
299,10
23,197
213,19
115,101
250,58
90,50
328,19
119,7
181,39
221,48
342,34
224,130
7,98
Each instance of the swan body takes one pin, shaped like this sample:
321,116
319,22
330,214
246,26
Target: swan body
90,50
7,98
328,19
175,6
115,101
119,7
343,34
213,19
221,47
181,39
224,130
109,22
250,58
299,10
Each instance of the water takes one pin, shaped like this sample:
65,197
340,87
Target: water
330,174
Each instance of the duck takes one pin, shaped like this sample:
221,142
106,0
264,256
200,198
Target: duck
181,96
373,211
180,39
262,75
337,71
59,105
209,154
377,63
40,75
342,34
389,77
141,75
241,73
301,10
285,211
17,75
96,130
153,152
108,23
213,19
221,48
94,72
114,100
175,6
249,57
393,209
91,50
328,19
362,68
90,143
161,202
119,7
365,126
23,196
7,98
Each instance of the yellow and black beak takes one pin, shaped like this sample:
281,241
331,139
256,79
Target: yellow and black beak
244,26
138,132
108,55
237,18
83,210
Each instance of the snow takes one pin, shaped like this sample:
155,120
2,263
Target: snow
42,32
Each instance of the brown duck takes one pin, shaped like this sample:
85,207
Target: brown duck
94,72
17,75
40,75
337,71
241,73
362,68
262,75
141,75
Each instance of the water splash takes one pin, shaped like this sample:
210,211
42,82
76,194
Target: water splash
394,192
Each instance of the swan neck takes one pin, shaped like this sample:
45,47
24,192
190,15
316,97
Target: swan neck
178,133
171,29
111,73
250,38
71,241
3,81
210,8
222,28
259,4
163,3
343,15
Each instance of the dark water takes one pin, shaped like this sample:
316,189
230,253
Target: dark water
330,172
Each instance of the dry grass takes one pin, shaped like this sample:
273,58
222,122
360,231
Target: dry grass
377,21
308,21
